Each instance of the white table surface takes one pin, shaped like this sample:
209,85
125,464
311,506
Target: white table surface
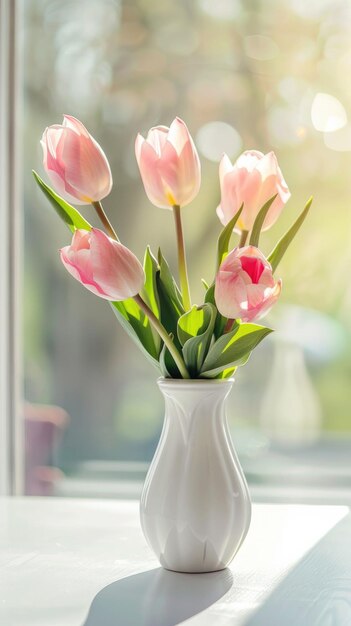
85,562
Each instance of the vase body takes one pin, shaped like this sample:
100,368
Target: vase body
195,506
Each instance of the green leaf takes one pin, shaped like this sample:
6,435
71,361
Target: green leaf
225,236
205,284
149,292
258,223
169,281
209,297
200,335
278,252
233,348
168,366
228,373
72,218
171,307
192,323
163,367
138,327
220,320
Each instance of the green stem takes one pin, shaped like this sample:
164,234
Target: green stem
243,237
182,266
164,336
104,219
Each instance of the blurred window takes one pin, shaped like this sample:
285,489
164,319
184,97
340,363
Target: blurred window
264,75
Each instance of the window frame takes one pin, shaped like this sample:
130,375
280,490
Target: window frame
11,426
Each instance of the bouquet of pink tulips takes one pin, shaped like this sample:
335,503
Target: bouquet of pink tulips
182,339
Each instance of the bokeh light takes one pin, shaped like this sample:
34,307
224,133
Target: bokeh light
327,113
215,138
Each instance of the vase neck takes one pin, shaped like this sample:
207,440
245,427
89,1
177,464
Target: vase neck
195,400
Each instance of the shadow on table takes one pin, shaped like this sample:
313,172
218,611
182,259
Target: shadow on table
317,592
157,598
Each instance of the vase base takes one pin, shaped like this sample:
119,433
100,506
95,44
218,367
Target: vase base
195,571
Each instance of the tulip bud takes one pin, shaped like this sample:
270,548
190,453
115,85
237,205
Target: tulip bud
75,163
252,180
169,165
245,287
102,265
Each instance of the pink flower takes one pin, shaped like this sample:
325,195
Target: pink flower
102,265
75,163
253,179
169,165
245,287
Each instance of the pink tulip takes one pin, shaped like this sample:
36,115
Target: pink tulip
102,265
253,179
169,165
245,287
75,163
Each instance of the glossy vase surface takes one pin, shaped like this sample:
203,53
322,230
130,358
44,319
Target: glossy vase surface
195,506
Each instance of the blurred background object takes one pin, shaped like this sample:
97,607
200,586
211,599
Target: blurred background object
264,75
43,428
290,411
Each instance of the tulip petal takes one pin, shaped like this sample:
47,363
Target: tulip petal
59,184
86,167
189,174
74,124
225,166
139,142
230,294
116,268
266,277
267,165
102,265
169,171
80,240
75,163
244,286
157,138
178,135
255,295
249,159
169,165
78,267
253,267
252,180
148,162
51,138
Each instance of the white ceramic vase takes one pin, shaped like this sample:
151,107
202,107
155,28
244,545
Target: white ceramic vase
195,506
